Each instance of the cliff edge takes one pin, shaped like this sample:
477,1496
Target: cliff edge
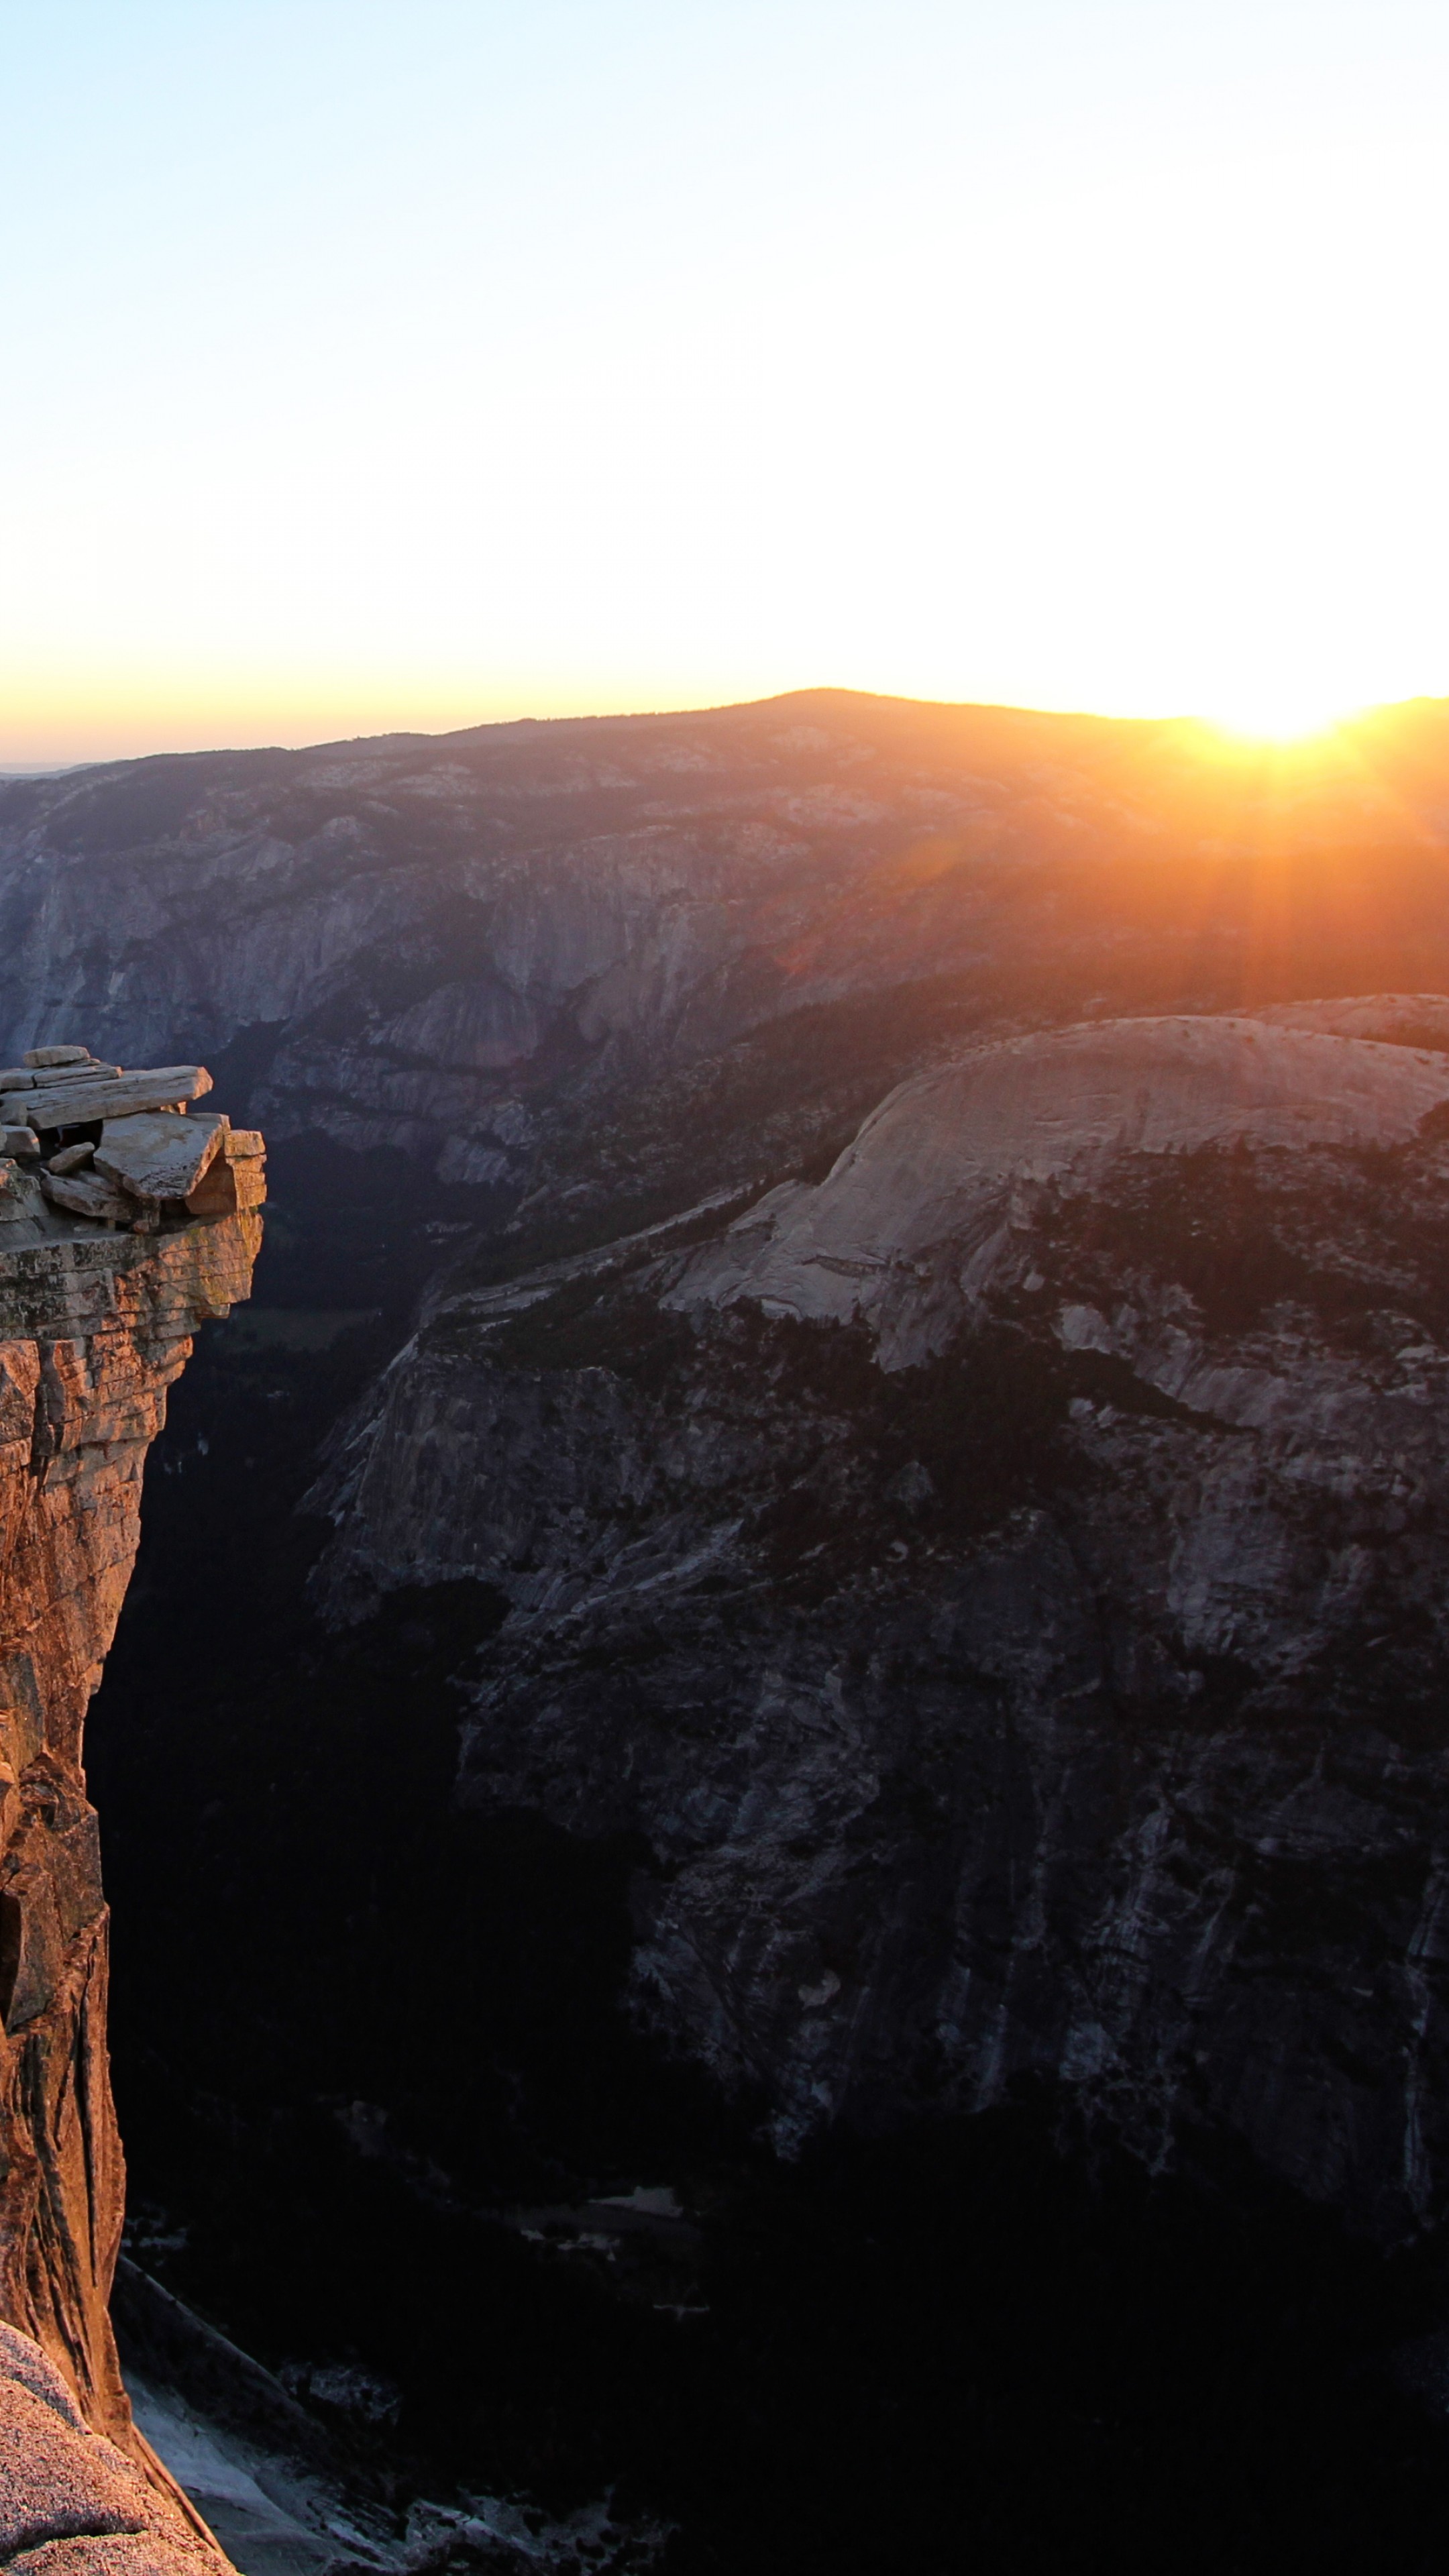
95,1322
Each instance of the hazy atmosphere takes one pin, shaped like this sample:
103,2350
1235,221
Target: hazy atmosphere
372,368
724,1288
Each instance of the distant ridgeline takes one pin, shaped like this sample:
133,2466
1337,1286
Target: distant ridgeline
124,1223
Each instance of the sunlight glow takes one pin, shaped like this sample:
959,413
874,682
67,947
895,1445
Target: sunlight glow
1286,722
587,358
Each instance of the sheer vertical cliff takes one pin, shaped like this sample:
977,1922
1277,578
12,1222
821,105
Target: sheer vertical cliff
94,1326
1001,1584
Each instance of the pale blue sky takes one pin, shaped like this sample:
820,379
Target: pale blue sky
381,364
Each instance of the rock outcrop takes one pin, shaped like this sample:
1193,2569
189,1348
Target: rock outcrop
1003,1583
97,1312
915,1224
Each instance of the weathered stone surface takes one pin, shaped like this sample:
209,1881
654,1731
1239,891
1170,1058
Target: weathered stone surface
39,1084
75,1104
234,1178
93,1328
71,2503
84,1194
945,1157
159,1156
71,1158
57,1077
52,1055
20,1199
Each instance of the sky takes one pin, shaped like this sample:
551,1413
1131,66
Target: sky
369,364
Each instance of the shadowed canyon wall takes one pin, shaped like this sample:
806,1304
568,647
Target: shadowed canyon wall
1001,1584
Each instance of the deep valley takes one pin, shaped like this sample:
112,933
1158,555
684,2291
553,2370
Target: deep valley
774,1781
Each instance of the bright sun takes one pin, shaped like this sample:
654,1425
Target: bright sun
1276,717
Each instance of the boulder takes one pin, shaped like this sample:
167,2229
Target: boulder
71,1158
158,1155
58,1055
19,1140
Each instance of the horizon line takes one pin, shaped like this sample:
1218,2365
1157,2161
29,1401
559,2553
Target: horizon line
18,772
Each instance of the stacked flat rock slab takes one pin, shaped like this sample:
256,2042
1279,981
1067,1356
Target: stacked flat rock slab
151,1159
85,1195
86,1092
158,1155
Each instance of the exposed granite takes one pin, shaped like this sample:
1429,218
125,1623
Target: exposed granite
1004,1584
71,2502
94,1326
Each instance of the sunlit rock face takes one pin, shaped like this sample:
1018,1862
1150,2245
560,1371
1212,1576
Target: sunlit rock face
1003,1584
94,1326
72,2503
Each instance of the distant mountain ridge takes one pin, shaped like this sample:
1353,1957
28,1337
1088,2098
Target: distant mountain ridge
395,941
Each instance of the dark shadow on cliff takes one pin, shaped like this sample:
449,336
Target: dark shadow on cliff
359,1230
303,1917
355,2029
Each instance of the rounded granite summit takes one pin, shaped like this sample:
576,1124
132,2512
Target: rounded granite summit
942,1159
